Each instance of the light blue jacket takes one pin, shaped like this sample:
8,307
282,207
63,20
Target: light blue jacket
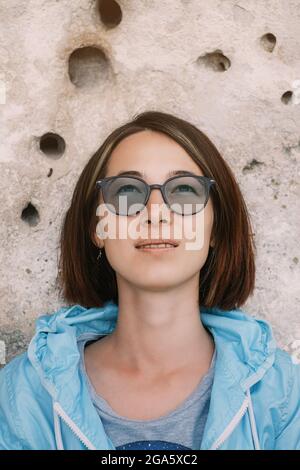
45,403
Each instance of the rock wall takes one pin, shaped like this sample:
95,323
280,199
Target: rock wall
71,71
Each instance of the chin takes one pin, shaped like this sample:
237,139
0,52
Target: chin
157,283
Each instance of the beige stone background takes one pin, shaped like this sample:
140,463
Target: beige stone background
73,70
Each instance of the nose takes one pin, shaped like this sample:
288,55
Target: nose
156,206
155,197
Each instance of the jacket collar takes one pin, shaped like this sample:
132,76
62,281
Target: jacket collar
245,351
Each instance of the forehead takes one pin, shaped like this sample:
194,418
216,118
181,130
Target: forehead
152,154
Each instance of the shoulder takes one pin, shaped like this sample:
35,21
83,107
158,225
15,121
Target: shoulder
23,400
288,379
19,373
288,430
276,403
286,370
284,364
281,376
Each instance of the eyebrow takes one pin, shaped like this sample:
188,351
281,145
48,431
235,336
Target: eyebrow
142,175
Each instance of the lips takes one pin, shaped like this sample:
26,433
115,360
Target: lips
156,244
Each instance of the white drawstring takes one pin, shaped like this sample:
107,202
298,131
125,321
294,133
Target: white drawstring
252,421
57,430
59,442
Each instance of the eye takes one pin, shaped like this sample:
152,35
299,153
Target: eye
182,188
127,188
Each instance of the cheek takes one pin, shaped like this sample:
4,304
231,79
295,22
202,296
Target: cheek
111,227
195,231
118,254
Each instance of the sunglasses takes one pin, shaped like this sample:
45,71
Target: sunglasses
128,195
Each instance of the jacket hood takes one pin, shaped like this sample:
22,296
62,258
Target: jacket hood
246,340
245,351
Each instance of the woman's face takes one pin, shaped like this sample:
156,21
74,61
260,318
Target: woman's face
154,155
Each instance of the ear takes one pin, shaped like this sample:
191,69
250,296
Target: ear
97,241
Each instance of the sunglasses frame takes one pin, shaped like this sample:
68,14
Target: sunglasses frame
102,184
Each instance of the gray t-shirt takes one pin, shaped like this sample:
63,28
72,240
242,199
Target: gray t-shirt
181,428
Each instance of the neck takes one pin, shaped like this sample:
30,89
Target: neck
160,332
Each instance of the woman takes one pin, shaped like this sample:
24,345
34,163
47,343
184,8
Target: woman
153,350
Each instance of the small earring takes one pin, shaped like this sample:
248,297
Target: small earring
100,254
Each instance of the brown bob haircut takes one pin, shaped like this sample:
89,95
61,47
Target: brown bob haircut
228,276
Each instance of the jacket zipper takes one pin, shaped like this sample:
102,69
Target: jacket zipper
221,439
233,423
73,426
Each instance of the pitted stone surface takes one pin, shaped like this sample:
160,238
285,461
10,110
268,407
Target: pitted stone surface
76,70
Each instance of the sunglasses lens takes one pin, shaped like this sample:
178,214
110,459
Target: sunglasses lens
126,195
186,194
